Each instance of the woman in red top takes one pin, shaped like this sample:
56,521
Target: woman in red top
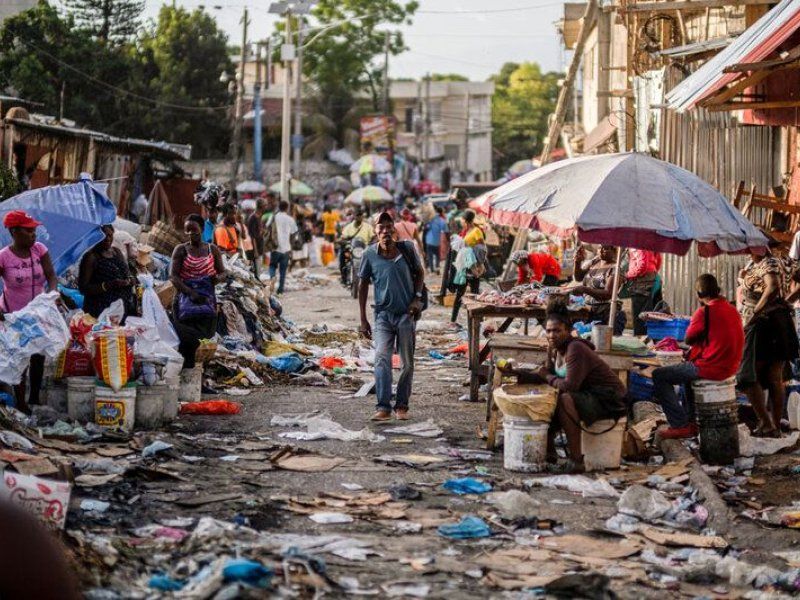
536,266
194,261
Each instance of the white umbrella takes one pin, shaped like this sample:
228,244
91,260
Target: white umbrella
367,194
251,187
371,163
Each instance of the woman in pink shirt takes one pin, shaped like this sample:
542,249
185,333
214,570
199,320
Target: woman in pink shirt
25,268
643,284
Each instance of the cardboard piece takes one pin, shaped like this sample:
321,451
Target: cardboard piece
39,467
582,545
46,499
668,538
309,463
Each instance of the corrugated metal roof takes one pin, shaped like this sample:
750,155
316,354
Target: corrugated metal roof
696,48
163,149
756,43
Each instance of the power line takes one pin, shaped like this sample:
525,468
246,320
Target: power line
120,90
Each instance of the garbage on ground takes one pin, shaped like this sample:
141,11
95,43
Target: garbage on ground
513,504
466,485
750,445
211,407
467,528
425,429
578,484
319,427
46,499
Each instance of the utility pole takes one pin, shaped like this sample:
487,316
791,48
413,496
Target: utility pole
569,82
297,138
427,132
287,55
239,110
61,98
466,137
386,42
257,147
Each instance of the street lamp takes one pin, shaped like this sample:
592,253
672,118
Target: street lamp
287,8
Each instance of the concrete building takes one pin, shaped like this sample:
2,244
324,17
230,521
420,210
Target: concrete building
460,133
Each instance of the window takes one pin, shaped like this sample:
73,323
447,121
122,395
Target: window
409,119
452,152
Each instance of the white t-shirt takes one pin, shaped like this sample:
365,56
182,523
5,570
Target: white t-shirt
285,226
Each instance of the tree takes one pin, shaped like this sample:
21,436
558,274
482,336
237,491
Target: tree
182,56
448,77
344,58
42,53
108,20
523,100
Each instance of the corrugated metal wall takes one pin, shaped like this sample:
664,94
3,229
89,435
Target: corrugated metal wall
724,152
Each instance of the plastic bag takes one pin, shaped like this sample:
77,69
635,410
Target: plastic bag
153,312
467,485
211,407
75,361
286,363
331,362
469,527
38,328
113,357
113,315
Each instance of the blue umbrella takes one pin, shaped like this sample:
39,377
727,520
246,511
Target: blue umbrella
71,217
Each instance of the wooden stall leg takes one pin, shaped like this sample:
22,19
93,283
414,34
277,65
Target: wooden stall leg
475,361
492,412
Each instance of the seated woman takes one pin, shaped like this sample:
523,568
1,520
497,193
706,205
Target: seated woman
588,390
196,267
104,277
597,277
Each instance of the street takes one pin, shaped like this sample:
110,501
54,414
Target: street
223,490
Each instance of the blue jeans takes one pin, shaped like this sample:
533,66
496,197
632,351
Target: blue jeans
664,381
393,331
279,260
432,256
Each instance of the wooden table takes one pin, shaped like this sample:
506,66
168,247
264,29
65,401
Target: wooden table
478,311
528,350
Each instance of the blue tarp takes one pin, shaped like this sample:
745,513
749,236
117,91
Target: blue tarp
71,217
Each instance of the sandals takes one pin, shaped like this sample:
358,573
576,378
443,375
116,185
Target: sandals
767,432
567,467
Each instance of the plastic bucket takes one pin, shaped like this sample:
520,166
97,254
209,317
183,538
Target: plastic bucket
524,445
532,402
115,410
602,337
56,396
191,385
601,443
171,404
80,398
150,405
707,391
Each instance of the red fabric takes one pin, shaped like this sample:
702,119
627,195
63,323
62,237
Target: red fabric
718,357
539,265
211,407
642,262
19,218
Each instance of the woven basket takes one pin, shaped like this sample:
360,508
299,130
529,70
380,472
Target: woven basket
535,402
205,352
163,237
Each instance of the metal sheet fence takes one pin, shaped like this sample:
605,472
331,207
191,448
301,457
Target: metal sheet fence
717,148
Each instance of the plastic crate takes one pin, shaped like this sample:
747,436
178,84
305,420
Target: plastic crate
639,387
675,328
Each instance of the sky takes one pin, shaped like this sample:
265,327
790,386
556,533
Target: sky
470,37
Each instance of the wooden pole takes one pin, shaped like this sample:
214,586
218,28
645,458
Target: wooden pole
615,292
569,82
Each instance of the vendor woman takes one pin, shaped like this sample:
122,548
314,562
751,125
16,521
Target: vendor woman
536,266
25,268
104,277
588,390
196,267
597,277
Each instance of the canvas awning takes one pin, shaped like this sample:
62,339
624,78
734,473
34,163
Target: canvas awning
758,42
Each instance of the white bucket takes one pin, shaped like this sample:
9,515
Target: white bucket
55,394
171,404
524,445
150,405
707,391
602,450
793,410
80,398
115,410
191,385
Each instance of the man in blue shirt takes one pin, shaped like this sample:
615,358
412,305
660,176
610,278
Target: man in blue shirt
433,239
398,278
211,224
